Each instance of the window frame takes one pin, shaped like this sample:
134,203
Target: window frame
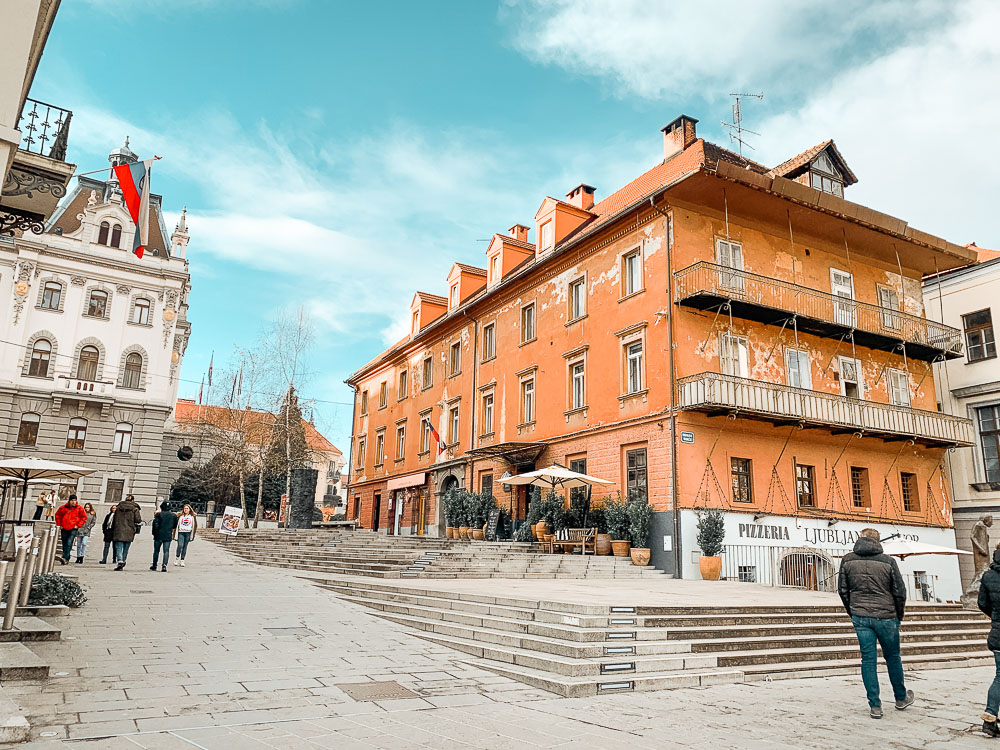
487,402
574,314
529,323
734,355
47,358
57,295
402,384
627,290
143,308
116,236
23,430
638,385
127,372
91,307
863,489
360,461
455,358
897,383
80,375
798,355
730,259
805,485
364,404
526,389
741,479
489,341
547,235
909,495
577,399
76,434
888,301
427,372
987,337
383,394
859,375
989,437
103,233
636,472
400,442
380,447
425,434
454,423
119,444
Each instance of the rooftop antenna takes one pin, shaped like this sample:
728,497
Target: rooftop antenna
736,129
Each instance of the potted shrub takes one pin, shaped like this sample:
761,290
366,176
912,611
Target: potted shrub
524,533
595,519
640,515
711,535
462,513
477,516
448,506
616,514
535,511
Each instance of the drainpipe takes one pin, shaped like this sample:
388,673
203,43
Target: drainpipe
350,455
673,386
474,400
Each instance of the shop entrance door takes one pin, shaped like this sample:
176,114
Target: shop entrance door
420,509
376,510
397,511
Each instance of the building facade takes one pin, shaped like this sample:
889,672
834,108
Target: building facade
94,339
969,386
714,334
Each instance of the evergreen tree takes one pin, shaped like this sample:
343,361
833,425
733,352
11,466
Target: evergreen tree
281,456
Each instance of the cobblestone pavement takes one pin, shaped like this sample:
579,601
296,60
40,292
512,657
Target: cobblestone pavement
201,657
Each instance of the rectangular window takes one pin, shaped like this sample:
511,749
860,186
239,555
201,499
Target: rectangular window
27,432
361,454
742,480
123,438
548,235
888,300
527,323
416,321
746,573
860,489
51,295
527,400
428,373
729,255
495,268
578,494
578,385
489,342
911,498
453,425
425,434
799,372
456,358
454,296
577,299
98,305
633,366
486,483
400,442
383,391
380,448
988,418
842,288
487,413
851,384
979,340
140,313
805,485
77,434
364,402
402,391
631,273
635,473
899,387
734,355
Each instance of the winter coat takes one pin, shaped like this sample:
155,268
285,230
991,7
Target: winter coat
70,518
106,527
89,525
989,600
126,518
164,524
870,584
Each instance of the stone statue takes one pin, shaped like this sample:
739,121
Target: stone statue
982,556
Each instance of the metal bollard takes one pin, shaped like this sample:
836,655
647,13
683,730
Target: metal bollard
3,573
29,572
15,589
50,552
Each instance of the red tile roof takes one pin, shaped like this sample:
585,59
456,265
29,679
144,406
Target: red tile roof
474,270
432,298
984,254
516,242
801,160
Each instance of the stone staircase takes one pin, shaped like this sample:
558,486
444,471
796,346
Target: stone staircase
365,553
577,650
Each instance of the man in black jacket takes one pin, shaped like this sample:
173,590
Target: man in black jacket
873,592
164,524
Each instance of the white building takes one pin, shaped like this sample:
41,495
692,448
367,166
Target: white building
970,387
93,339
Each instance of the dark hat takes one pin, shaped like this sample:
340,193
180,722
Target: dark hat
996,555
72,497
164,505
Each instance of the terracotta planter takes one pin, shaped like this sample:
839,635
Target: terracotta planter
603,544
542,528
463,532
534,531
449,532
710,567
478,535
640,556
620,549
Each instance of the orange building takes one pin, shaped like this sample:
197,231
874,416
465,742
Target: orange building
715,333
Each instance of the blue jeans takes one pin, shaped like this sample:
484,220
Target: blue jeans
68,535
159,544
872,631
183,540
993,697
121,551
81,545
110,546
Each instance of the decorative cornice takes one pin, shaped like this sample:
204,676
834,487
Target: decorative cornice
13,220
27,184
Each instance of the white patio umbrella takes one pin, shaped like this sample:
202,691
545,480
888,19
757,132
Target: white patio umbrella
23,470
555,477
903,548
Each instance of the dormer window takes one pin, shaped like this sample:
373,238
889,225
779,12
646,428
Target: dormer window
495,268
454,295
823,175
548,235
416,321
102,234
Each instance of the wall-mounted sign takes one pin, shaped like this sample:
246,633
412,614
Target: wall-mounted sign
687,437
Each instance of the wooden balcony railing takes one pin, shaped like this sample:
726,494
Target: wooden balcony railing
704,285
715,392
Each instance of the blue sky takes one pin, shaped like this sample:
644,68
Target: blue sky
341,155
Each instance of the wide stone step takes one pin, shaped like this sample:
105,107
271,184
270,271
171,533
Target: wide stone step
761,617
810,628
18,663
833,653
28,629
781,640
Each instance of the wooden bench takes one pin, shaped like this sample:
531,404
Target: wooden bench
582,538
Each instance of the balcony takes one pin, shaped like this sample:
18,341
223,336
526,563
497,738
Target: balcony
39,173
707,286
718,394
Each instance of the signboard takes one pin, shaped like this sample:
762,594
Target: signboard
687,437
22,537
282,510
231,520
491,524
503,479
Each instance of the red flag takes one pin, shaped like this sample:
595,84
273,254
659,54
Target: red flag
210,361
133,179
200,391
437,438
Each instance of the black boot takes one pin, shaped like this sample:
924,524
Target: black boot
990,728
79,561
120,566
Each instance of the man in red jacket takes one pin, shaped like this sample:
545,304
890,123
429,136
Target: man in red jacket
69,518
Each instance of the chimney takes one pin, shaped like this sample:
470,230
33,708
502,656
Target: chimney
678,135
582,196
519,232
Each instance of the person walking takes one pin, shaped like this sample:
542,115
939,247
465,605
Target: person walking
50,506
70,518
989,603
164,524
124,527
874,595
40,505
83,533
187,527
109,539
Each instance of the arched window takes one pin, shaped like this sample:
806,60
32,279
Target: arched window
27,433
86,368
102,235
116,236
41,353
123,438
140,313
133,371
97,307
77,434
51,295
